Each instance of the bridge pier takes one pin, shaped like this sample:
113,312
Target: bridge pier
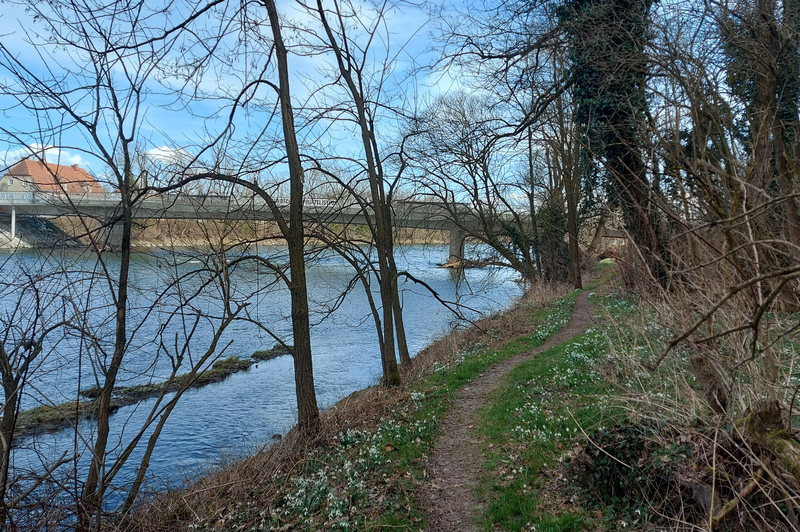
457,238
110,237
13,222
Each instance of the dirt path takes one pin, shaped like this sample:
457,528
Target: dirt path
455,468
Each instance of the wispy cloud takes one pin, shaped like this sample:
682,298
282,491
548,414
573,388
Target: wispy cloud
168,156
51,154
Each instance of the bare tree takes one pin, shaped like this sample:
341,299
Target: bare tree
350,36
308,412
463,164
97,108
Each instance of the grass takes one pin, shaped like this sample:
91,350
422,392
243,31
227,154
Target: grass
536,425
46,418
275,351
530,427
564,450
580,437
341,483
361,474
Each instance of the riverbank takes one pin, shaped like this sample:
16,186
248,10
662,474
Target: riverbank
65,231
576,435
366,465
208,233
34,233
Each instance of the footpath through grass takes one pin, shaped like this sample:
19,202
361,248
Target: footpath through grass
366,470
362,476
544,431
578,437
369,479
531,427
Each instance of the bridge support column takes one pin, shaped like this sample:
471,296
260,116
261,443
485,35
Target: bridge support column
457,238
110,237
13,222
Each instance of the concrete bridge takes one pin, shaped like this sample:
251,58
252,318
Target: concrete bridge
104,207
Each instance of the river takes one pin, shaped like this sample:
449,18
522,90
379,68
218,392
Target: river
243,412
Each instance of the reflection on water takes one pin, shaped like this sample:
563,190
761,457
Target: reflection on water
243,411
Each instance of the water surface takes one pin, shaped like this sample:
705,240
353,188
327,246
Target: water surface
242,412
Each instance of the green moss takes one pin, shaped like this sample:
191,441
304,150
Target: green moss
47,418
91,393
275,351
230,365
221,370
393,379
48,415
786,449
144,391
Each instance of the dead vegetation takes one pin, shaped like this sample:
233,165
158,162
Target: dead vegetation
222,499
706,372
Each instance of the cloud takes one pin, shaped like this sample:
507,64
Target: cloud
168,156
51,153
165,161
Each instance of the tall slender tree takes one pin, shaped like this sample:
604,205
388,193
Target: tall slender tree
307,409
351,67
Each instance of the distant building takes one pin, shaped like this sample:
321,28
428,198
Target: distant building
37,176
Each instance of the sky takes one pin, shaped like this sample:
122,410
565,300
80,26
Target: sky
170,127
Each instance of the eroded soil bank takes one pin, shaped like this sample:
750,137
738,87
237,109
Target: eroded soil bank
70,232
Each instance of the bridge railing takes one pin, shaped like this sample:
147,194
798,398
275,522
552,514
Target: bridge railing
17,197
176,205
32,198
36,198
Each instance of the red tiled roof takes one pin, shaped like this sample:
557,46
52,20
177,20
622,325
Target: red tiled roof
49,177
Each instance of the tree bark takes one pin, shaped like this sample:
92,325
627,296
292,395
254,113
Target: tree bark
307,408
94,488
400,328
382,228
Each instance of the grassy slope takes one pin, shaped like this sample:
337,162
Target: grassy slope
364,471
580,437
532,426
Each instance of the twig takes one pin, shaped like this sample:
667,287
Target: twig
711,519
49,471
189,506
593,443
730,505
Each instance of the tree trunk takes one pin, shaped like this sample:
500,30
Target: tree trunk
10,385
307,408
400,329
572,231
397,309
94,488
788,130
382,228
532,203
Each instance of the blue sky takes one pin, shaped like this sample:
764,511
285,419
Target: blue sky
167,123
